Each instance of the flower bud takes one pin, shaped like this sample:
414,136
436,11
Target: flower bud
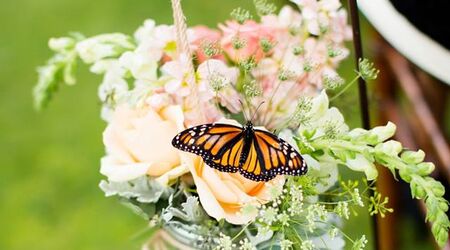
442,237
367,70
405,175
357,133
413,157
417,191
61,44
392,148
437,229
102,46
384,132
438,189
424,168
443,205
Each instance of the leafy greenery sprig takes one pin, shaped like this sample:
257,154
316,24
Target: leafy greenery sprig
60,68
326,138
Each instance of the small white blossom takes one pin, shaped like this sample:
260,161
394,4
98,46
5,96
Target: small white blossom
342,210
245,244
225,243
360,244
268,215
284,219
315,212
357,197
307,245
286,244
333,232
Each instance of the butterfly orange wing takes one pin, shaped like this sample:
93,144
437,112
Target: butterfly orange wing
220,145
270,156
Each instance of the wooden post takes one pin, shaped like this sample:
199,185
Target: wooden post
362,87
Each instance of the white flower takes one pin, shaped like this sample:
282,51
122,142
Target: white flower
113,89
61,44
145,32
101,66
288,17
107,45
141,66
327,121
384,132
326,169
360,163
319,105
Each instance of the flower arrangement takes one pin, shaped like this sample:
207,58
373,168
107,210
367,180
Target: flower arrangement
158,83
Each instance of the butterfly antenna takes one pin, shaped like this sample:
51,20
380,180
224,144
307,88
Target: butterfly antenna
243,110
256,110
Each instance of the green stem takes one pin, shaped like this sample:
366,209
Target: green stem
240,232
345,88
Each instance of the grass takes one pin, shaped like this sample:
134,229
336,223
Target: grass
50,160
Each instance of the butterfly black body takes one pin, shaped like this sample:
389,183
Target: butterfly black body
248,134
257,154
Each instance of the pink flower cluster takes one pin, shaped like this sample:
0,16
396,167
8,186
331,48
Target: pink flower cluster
275,61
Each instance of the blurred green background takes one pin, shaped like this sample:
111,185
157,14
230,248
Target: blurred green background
50,160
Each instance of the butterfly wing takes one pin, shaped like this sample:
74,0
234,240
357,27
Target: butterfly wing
270,156
220,145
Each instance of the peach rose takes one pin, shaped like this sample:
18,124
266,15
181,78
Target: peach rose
223,195
138,143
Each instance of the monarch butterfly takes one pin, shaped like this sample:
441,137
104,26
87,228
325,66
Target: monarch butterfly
257,154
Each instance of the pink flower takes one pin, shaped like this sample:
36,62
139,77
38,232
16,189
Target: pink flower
219,80
315,51
203,36
249,34
339,28
310,11
177,71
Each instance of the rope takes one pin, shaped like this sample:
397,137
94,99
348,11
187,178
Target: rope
184,49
